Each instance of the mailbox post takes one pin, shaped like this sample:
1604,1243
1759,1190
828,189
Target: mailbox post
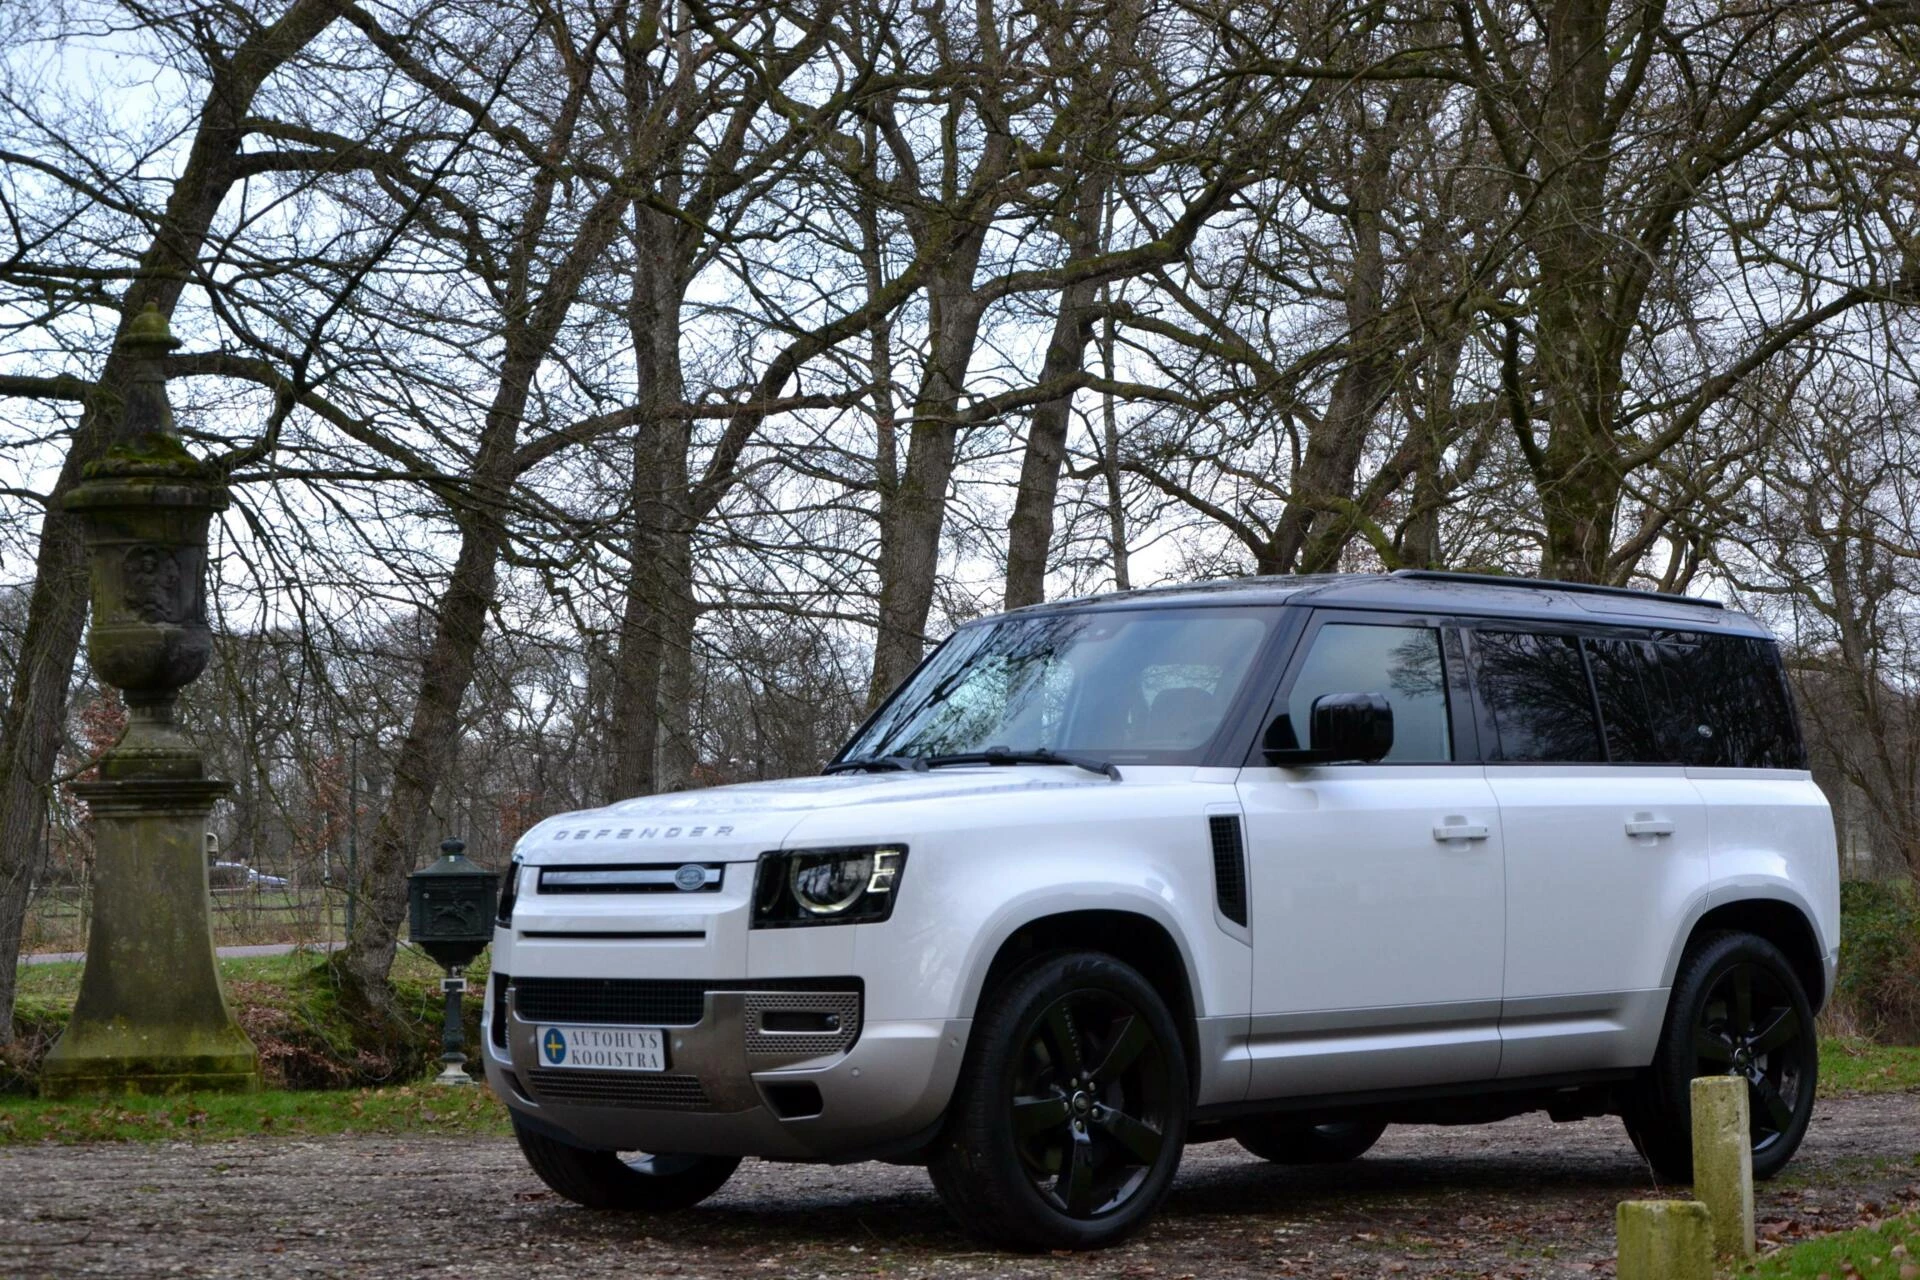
451,905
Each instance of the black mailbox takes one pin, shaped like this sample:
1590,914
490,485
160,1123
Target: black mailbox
451,916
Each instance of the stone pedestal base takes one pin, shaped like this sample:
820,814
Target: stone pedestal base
151,1017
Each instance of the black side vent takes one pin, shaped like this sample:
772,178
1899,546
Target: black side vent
1229,867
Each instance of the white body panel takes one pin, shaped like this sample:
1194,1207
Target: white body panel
1771,837
1378,944
1604,864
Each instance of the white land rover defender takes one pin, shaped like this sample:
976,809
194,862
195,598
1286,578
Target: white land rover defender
1277,860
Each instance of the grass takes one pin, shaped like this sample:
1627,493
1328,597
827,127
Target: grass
413,1109
1888,1250
1851,1064
289,1005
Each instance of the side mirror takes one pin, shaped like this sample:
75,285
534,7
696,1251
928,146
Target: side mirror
1355,728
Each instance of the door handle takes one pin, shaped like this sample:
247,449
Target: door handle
1647,825
1454,829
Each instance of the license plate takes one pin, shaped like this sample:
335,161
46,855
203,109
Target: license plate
604,1048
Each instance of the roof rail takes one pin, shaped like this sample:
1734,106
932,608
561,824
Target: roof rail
1583,588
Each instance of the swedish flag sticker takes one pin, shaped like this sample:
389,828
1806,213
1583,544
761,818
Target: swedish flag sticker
553,1046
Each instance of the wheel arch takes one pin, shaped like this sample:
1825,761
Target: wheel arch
1132,937
1782,921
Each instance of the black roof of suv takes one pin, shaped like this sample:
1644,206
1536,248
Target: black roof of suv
1433,591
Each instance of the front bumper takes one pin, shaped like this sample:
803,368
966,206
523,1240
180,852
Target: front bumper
761,1072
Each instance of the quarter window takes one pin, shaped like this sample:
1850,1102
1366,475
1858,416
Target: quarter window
1741,695
1535,691
1401,663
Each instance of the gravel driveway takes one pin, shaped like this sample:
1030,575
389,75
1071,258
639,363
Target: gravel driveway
1524,1198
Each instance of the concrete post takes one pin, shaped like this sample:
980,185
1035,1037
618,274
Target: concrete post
1723,1161
1664,1240
151,1016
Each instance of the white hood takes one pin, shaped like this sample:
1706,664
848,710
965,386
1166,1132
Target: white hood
738,823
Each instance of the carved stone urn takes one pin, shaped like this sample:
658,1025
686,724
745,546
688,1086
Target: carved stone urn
151,1015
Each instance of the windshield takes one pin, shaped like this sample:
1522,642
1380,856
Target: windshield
1150,686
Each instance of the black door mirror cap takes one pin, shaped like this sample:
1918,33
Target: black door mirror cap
1348,728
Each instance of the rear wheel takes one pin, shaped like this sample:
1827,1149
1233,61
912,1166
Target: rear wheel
1738,1009
1293,1143
1071,1112
632,1181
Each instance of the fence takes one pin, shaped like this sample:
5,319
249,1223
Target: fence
301,913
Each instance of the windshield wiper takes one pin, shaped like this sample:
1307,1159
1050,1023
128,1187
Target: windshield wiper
1039,755
878,764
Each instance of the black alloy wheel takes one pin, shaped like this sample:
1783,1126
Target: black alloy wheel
1071,1113
1739,1009
1091,1101
1749,1026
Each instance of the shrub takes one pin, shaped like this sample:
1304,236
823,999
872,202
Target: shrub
1879,985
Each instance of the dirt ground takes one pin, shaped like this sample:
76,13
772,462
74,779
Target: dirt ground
1524,1198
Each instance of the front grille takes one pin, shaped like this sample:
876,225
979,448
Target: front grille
638,877
1229,867
622,1001
620,1089
643,1002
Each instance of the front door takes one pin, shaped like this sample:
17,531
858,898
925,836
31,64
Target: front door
1377,890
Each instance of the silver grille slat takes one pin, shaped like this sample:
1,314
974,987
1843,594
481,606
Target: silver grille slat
640,879
657,1092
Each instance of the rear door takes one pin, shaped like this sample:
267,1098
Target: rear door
1376,890
1606,841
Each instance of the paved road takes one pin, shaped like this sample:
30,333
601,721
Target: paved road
266,949
1526,1198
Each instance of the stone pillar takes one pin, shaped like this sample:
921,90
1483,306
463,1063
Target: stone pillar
1664,1240
1723,1160
151,1016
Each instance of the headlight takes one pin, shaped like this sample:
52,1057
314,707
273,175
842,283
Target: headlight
826,886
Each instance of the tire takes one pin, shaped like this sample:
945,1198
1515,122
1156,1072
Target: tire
1738,1008
1070,1114
604,1180
1333,1143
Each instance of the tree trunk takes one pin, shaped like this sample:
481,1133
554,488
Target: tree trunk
1577,342
1311,532
35,718
1030,531
660,569
388,856
1110,461
421,766
910,533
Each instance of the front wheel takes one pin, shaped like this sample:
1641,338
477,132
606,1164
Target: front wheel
1071,1111
635,1182
1738,1009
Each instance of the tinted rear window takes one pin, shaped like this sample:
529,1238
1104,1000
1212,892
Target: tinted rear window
1645,706
1676,698
1740,697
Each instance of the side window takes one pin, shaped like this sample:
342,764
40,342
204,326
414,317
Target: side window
1634,731
1535,692
1647,707
1401,663
1741,693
